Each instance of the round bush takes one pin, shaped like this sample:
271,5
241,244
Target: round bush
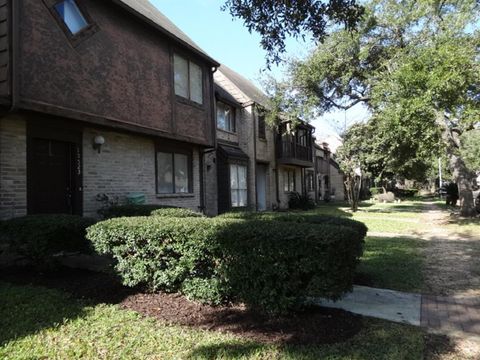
266,264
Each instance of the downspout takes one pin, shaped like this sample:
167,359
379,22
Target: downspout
13,32
255,118
208,150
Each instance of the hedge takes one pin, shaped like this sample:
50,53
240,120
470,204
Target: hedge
39,237
358,226
178,213
268,265
130,210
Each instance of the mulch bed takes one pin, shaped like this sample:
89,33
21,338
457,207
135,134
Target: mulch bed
313,325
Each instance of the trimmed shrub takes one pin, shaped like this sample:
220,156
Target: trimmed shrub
39,237
358,226
405,193
268,265
158,252
176,212
298,201
130,210
385,197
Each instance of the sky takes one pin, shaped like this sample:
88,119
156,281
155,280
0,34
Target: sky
228,41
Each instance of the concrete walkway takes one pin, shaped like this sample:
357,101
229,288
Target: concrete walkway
380,303
443,315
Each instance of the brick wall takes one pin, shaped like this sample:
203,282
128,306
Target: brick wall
126,164
13,167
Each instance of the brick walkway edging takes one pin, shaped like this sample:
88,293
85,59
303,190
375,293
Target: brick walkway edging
450,315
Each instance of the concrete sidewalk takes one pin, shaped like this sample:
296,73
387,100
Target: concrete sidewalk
458,317
380,303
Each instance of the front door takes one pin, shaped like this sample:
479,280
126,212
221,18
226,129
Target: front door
53,177
261,187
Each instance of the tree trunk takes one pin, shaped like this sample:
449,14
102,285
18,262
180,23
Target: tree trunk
463,177
461,174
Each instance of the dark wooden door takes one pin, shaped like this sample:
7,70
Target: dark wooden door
53,177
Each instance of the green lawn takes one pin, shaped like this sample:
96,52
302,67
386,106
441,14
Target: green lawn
393,263
44,324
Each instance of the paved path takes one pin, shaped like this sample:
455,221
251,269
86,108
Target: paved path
458,316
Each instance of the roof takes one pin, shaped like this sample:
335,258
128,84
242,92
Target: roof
223,94
233,152
146,11
245,86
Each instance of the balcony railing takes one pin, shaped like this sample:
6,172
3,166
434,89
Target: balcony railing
287,149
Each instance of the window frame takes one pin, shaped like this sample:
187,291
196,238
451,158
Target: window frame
174,150
189,61
237,164
233,118
83,34
286,185
310,180
261,127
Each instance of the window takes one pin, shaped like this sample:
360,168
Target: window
173,173
225,117
261,127
188,79
310,181
289,180
238,185
71,16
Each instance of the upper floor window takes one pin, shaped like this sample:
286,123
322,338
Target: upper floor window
188,78
71,15
261,127
225,117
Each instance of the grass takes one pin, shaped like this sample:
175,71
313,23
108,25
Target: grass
394,263
399,218
38,323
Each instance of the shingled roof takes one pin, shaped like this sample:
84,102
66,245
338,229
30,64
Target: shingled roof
245,86
146,11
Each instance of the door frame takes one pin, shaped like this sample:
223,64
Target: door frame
57,130
265,166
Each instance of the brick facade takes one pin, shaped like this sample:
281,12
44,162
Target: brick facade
126,165
13,167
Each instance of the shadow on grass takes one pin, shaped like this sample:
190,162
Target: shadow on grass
25,310
32,301
392,263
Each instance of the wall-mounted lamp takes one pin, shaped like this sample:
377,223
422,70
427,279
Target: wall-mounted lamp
98,142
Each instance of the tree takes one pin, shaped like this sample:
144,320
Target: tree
415,65
276,20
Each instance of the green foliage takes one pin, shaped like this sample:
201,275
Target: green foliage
297,19
297,201
176,212
266,264
470,149
39,237
130,210
375,191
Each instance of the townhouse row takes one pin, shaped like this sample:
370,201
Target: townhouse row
111,98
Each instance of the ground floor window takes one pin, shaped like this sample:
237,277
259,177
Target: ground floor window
238,185
173,173
310,180
289,180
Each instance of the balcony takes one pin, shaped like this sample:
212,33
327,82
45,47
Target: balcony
290,152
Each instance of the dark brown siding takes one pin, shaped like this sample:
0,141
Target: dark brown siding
121,74
4,48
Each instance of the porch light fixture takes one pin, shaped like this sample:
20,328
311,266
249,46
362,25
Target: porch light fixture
98,142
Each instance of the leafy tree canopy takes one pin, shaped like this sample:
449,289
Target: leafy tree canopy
276,20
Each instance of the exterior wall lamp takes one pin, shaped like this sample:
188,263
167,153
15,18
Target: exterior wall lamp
98,142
